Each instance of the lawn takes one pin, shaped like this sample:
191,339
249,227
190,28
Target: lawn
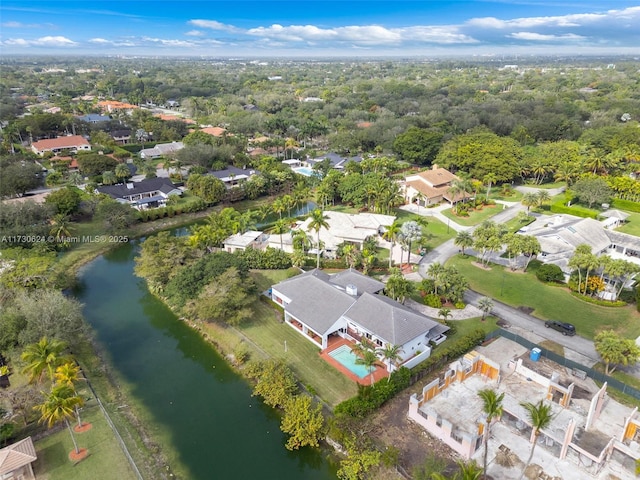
105,461
548,302
435,233
632,227
465,327
475,216
267,334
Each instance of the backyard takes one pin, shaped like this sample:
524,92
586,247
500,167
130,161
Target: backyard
632,225
548,302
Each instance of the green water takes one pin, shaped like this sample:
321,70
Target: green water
196,401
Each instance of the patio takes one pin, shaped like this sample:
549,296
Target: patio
336,342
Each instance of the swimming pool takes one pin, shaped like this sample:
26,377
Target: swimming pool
345,357
306,171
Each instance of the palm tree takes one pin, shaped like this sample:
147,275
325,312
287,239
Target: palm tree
489,179
69,374
59,406
44,355
122,172
75,178
529,200
542,197
540,416
411,231
468,471
281,227
61,226
109,178
485,304
318,221
369,360
463,239
492,407
391,355
390,235
445,313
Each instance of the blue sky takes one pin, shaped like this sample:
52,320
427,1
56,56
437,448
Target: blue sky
314,28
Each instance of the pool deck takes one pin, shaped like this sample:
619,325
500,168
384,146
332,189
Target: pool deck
336,342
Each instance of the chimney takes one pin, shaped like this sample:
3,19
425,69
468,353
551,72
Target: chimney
435,166
351,290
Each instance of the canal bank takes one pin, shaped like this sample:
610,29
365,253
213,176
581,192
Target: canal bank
198,410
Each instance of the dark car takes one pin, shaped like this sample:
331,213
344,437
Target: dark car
562,327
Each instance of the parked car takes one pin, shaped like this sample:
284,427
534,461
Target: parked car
563,327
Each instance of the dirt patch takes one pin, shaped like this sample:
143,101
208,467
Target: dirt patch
527,310
78,456
481,266
85,427
503,323
414,443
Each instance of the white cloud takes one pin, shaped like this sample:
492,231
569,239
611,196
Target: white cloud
170,42
25,25
195,33
213,25
47,41
544,38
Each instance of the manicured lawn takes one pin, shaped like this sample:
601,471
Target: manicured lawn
632,227
435,233
106,460
548,302
516,224
266,335
475,216
548,185
496,194
465,327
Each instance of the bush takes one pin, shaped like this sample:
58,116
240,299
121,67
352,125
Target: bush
241,353
432,300
550,273
459,305
577,210
597,301
269,259
628,295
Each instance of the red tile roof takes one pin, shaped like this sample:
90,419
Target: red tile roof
70,141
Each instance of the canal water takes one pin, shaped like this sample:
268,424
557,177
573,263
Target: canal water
195,401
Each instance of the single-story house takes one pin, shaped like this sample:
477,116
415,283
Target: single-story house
75,143
161,149
214,131
94,118
613,218
241,241
348,228
233,176
337,161
292,163
16,460
114,106
430,187
347,305
147,193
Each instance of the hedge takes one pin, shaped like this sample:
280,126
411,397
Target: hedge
602,303
626,205
576,210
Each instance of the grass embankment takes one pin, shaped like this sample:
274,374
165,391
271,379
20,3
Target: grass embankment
475,216
266,335
549,302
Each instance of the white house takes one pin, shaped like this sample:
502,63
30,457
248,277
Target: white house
160,150
75,143
242,241
347,305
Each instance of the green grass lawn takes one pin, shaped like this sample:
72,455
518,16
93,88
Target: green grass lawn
106,460
475,216
434,234
547,185
549,302
632,227
496,194
465,327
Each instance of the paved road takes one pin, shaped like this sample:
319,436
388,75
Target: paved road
529,323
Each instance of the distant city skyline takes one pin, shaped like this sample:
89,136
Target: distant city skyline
320,29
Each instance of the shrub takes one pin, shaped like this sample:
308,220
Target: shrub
432,300
597,301
628,295
459,305
550,273
241,353
578,211
271,258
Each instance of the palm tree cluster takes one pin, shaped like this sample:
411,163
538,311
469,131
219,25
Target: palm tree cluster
585,263
219,226
62,402
445,282
535,199
370,357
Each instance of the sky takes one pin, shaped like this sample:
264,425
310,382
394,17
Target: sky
319,28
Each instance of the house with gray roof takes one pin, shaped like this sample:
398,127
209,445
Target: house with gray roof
161,149
233,176
348,305
147,193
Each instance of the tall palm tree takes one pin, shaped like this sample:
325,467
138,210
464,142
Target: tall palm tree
540,416
369,359
529,200
492,407
411,232
42,356
489,179
69,374
281,227
390,235
485,304
109,178
318,221
543,197
391,355
58,406
464,239
122,172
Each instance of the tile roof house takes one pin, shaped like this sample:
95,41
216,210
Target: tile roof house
74,143
113,106
349,227
148,193
16,460
430,187
233,176
161,149
214,131
241,241
346,305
